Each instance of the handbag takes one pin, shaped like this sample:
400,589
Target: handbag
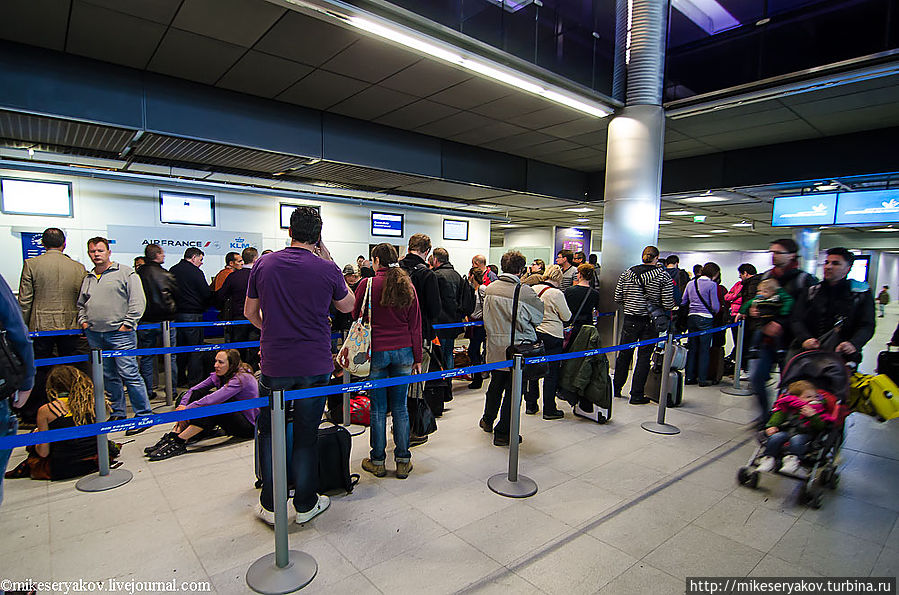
659,316
421,418
355,355
566,332
12,371
526,349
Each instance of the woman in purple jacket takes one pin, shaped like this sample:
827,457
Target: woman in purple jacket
701,295
231,381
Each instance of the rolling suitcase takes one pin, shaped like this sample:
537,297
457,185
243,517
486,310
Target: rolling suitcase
879,391
675,387
888,363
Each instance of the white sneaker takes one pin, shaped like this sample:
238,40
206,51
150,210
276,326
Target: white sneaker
766,464
266,516
790,464
322,505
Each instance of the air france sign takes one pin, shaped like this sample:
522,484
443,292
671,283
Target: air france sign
873,207
816,209
132,239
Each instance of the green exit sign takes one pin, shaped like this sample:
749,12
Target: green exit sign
698,218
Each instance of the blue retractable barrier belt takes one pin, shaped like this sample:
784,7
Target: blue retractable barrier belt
458,324
591,352
210,323
709,331
77,331
55,361
183,349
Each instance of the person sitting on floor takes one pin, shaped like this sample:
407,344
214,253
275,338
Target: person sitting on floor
70,403
232,380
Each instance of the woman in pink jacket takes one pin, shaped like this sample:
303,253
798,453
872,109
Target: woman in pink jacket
734,300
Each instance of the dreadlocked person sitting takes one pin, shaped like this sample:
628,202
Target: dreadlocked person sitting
232,380
798,416
70,403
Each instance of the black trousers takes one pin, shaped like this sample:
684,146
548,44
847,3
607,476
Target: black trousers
499,400
635,328
190,365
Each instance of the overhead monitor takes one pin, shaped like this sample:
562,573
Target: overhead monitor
187,209
871,207
386,224
35,197
811,209
859,270
287,211
455,229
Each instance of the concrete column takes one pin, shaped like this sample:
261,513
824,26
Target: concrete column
631,208
808,239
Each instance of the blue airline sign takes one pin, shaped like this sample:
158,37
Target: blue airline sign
871,207
814,209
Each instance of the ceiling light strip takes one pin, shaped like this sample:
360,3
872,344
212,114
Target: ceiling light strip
440,50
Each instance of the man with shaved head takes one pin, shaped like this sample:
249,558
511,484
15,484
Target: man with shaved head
479,261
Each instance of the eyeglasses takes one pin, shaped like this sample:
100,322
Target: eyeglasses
779,252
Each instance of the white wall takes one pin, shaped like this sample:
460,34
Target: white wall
728,261
887,274
533,242
99,203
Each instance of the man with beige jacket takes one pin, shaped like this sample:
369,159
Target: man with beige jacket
48,290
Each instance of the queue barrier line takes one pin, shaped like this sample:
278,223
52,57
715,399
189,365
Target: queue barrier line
481,322
9,442
56,361
182,349
209,323
76,331
709,331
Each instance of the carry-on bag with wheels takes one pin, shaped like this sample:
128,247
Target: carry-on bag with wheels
888,363
675,387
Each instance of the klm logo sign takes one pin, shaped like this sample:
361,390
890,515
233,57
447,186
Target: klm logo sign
819,208
240,243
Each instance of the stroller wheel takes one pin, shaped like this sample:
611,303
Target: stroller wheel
812,498
748,477
834,480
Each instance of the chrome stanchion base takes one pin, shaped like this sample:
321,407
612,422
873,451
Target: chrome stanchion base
355,429
264,576
657,428
523,488
740,392
100,483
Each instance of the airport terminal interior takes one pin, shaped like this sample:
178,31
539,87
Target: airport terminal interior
708,128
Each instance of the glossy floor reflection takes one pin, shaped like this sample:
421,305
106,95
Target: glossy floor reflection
619,510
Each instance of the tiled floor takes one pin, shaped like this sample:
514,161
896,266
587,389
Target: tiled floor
619,510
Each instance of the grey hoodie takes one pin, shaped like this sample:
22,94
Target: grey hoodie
114,298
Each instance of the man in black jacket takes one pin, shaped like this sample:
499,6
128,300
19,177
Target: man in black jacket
234,292
449,283
194,299
835,301
161,291
425,282
786,271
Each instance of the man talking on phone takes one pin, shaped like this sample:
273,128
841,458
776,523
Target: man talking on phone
288,298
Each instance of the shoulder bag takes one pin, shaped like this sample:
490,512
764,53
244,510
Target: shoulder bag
660,317
355,355
526,349
566,332
12,371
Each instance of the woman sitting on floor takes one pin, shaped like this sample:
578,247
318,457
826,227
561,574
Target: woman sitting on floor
70,403
232,380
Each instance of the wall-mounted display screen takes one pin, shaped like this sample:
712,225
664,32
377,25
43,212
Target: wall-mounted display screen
870,207
287,211
814,209
386,224
455,229
33,197
859,270
187,209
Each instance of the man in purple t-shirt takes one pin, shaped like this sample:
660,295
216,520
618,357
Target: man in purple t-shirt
288,298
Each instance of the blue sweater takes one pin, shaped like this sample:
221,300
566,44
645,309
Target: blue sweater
708,289
17,332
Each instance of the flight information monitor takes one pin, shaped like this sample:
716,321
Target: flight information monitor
386,224
812,209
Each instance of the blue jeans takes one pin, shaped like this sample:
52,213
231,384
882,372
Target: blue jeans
9,425
698,354
148,339
447,344
478,338
784,443
119,369
760,370
302,463
390,364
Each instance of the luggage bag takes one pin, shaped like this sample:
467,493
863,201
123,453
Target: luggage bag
888,363
675,387
879,391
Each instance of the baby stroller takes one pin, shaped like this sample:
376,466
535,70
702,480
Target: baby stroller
818,468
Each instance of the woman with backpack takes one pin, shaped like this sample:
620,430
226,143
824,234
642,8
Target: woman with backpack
550,331
396,350
701,295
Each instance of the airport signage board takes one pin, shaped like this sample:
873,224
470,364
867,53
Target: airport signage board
814,209
32,245
572,238
133,239
868,208
387,224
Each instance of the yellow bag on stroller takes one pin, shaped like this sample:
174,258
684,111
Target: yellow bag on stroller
874,395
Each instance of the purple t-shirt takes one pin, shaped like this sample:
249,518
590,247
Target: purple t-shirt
295,289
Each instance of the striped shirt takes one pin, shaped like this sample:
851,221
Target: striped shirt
630,292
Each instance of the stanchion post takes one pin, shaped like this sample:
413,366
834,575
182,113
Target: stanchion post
105,478
512,484
167,363
737,389
659,426
285,570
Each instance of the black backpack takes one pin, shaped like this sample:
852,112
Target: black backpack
466,299
334,445
12,371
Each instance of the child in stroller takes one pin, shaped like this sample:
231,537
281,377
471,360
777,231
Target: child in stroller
806,425
798,416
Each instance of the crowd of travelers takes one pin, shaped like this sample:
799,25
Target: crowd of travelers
403,299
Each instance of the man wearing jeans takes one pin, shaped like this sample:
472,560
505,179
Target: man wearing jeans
17,336
288,297
110,304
